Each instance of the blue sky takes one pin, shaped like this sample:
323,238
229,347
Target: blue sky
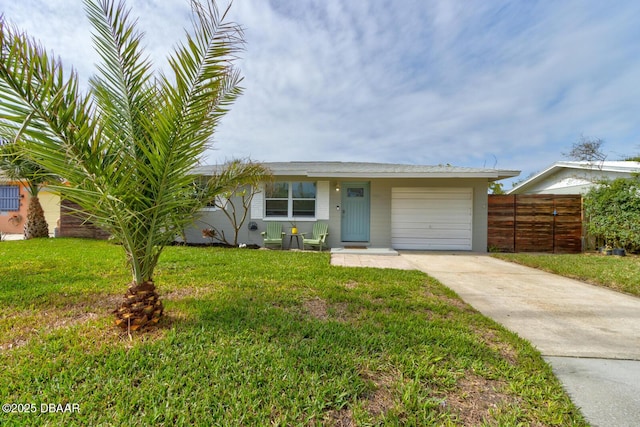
506,84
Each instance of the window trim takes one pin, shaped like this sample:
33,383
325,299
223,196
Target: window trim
290,199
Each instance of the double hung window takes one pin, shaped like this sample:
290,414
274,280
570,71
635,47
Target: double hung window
291,199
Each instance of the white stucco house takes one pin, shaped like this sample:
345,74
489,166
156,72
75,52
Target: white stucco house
372,205
574,177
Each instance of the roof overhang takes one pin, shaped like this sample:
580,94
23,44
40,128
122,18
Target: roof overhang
354,170
621,167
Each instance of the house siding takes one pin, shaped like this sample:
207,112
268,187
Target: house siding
217,218
12,222
575,177
380,212
573,181
51,206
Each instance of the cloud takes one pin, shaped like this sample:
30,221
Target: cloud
405,81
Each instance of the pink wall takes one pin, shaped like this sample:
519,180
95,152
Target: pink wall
13,222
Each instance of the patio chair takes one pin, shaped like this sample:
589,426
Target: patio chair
318,236
274,234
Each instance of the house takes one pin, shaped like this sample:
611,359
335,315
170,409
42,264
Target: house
574,177
372,205
14,202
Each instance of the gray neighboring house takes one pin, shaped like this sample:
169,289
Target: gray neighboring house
374,205
574,177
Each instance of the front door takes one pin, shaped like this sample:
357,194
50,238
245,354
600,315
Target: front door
355,212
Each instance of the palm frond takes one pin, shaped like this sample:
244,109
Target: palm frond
40,107
15,165
233,173
127,149
124,73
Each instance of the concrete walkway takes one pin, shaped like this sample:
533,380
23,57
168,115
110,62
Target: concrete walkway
588,334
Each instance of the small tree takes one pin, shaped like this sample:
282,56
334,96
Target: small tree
235,200
496,188
612,210
587,149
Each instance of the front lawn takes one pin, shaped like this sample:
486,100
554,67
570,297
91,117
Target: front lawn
615,272
255,337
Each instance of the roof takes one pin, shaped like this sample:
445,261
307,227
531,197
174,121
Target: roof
608,166
374,170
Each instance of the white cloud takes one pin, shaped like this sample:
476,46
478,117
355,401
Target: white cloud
433,82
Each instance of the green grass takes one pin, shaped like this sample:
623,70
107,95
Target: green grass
618,273
257,338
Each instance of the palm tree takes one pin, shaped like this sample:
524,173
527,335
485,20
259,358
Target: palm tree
16,167
126,149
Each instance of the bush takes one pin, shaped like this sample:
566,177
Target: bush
612,211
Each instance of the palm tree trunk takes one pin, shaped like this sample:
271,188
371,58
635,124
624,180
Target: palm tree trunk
36,224
141,307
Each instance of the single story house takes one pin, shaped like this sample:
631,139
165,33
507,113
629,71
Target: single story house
374,205
574,177
14,202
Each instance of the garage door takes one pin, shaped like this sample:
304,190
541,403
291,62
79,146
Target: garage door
431,218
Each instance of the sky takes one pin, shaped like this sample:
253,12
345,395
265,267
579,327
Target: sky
495,84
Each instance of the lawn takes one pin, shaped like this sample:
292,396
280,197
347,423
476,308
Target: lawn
618,273
255,337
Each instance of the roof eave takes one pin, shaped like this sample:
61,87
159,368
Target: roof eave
489,175
525,184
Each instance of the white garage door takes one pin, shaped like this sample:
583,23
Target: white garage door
431,218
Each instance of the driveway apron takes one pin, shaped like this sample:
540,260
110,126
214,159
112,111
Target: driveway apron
588,334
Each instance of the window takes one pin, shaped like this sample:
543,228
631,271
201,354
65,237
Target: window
9,198
277,199
295,199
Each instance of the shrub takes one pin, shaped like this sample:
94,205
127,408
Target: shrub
612,211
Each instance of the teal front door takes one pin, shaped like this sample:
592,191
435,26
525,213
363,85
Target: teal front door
355,212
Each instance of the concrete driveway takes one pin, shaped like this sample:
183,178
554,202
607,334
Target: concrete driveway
588,334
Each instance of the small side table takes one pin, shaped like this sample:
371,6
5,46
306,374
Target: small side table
297,236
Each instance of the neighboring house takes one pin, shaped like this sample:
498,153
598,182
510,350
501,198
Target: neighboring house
50,203
369,205
14,201
574,177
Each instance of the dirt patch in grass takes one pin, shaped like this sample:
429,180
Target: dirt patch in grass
341,418
47,321
376,403
339,311
14,343
471,402
381,399
475,397
351,284
188,292
27,323
321,310
316,308
491,339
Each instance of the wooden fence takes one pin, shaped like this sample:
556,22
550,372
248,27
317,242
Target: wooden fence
535,223
74,224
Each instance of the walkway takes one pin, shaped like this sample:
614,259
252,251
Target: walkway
589,335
